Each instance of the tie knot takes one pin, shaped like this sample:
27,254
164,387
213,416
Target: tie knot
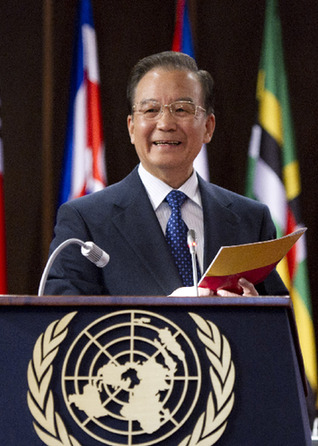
175,199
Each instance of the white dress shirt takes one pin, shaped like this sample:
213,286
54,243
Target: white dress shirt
191,211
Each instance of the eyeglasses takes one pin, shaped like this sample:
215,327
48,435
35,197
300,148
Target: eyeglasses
181,110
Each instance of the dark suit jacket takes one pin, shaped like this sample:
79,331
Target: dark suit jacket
120,219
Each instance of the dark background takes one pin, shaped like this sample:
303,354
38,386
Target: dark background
35,61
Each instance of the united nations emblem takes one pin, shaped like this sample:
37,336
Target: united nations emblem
132,377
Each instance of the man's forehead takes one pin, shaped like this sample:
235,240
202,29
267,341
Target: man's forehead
168,72
185,83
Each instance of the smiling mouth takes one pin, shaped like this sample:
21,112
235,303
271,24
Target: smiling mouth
167,143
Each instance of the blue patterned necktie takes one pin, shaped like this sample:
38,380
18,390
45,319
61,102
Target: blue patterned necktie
176,236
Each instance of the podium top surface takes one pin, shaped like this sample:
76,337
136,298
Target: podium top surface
268,301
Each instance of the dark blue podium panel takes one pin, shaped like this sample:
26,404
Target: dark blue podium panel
150,371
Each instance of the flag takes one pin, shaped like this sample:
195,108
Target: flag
3,266
273,178
84,164
182,42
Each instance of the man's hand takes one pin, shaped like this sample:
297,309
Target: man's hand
248,290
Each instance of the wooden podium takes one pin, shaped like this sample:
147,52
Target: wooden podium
150,371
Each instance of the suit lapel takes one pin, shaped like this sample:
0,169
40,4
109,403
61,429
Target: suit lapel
136,221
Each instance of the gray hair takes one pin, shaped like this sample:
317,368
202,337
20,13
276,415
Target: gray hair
171,60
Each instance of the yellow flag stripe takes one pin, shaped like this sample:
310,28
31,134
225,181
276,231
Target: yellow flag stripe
270,112
306,334
305,327
292,180
282,269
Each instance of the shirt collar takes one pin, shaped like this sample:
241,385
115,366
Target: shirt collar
158,190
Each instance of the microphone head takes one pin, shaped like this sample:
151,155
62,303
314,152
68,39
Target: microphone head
95,254
191,241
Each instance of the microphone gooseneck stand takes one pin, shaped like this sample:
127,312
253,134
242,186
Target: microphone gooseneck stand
88,249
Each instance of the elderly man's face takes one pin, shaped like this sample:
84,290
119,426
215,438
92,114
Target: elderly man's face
168,145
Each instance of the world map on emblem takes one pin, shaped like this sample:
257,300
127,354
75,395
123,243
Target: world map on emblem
131,377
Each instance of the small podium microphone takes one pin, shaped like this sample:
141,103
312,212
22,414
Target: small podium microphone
88,249
193,251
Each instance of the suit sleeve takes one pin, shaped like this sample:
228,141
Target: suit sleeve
71,273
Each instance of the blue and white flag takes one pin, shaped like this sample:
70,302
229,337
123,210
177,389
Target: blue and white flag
84,164
182,42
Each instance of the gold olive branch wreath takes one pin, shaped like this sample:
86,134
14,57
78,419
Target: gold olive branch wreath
49,427
210,426
212,423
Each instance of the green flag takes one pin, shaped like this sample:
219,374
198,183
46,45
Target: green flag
273,177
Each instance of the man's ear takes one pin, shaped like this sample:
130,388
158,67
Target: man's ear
209,127
131,128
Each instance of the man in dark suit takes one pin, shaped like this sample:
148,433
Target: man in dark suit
171,117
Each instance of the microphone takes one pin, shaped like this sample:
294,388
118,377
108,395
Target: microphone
88,249
95,254
192,244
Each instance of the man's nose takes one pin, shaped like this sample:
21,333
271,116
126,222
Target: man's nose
166,118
